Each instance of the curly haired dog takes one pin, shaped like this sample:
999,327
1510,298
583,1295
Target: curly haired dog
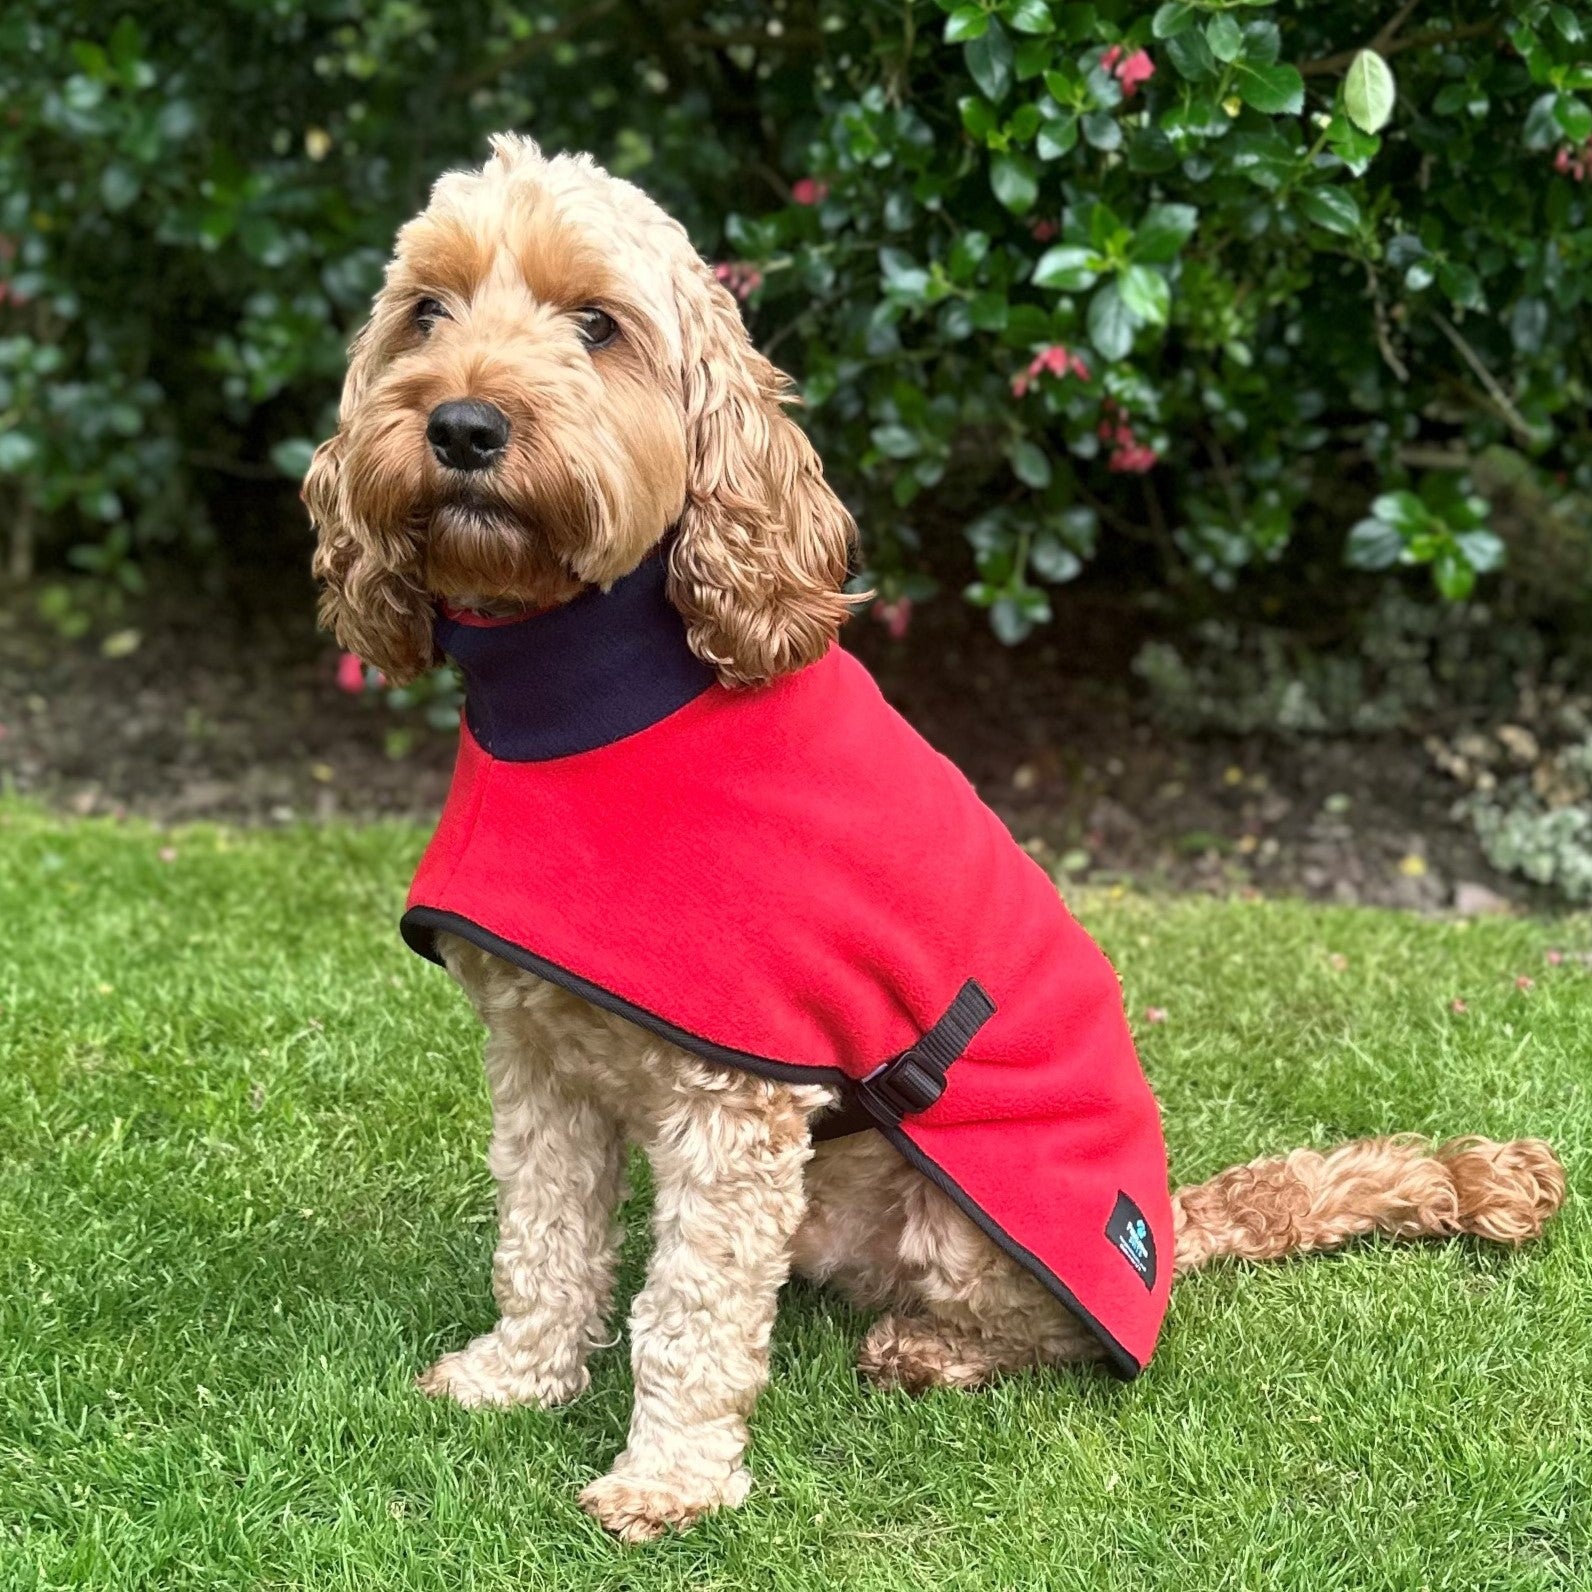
551,390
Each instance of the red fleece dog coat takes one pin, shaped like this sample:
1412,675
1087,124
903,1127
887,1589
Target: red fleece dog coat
788,879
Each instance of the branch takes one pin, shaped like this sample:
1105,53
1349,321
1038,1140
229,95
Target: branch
1501,400
1384,338
1326,64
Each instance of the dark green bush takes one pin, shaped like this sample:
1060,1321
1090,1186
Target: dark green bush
1058,279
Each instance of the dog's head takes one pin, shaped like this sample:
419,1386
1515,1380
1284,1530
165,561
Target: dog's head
550,381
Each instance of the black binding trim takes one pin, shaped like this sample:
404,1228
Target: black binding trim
420,926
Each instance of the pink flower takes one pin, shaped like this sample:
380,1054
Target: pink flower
1129,456
1133,460
740,277
1043,231
809,191
1154,1014
1054,360
1572,161
1129,70
350,674
1136,69
1555,958
1523,984
896,617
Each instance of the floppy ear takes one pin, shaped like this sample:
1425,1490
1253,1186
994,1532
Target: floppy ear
763,544
371,598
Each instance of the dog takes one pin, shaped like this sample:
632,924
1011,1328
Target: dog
555,404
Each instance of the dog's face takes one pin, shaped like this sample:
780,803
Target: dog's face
551,380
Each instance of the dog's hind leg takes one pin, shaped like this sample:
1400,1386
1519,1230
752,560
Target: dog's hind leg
1314,1200
559,1164
962,1312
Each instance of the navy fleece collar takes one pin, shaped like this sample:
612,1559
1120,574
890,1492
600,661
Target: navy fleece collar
600,667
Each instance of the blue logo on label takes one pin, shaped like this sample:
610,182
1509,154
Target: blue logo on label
1130,1232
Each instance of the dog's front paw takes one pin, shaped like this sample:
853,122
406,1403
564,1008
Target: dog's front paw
485,1372
640,1508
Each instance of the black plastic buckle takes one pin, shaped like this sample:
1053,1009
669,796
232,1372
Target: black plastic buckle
901,1087
914,1080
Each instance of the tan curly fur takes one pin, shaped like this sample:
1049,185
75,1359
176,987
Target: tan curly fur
678,424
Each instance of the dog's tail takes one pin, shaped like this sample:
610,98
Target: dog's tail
1399,1186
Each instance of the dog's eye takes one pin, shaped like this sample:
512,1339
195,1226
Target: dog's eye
428,311
596,328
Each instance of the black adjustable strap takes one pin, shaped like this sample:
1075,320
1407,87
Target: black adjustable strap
915,1079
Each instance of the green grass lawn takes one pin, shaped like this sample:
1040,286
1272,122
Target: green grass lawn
243,1200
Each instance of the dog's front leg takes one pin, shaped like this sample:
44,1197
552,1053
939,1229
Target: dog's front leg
727,1165
559,1165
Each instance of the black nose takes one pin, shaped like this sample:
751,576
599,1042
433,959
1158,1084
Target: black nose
467,434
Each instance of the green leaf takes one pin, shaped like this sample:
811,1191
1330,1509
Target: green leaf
1355,149
966,254
1461,284
1262,43
1574,118
1031,16
1163,231
1052,559
1373,544
292,457
979,117
990,312
1031,58
1008,621
118,187
1065,268
1542,123
17,451
1065,88
1332,208
1484,550
1024,123
896,441
1403,511
1111,323
966,22
1265,157
1191,55
1029,464
1057,138
903,276
989,60
126,44
1027,326
1015,182
1369,92
1146,294
1171,19
1102,130
1528,325
1276,90
1225,37
1455,577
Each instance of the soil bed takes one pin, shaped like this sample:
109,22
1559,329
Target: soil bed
230,709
